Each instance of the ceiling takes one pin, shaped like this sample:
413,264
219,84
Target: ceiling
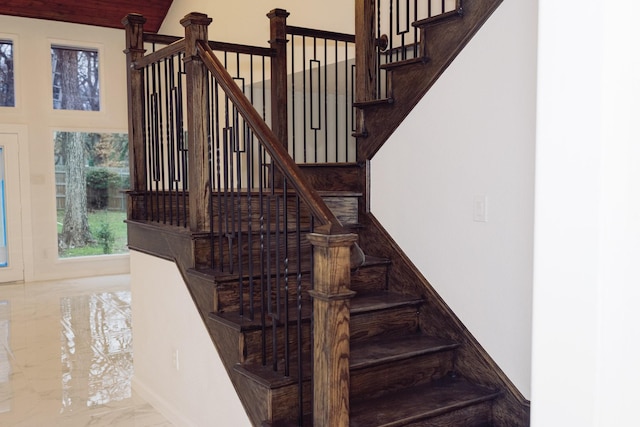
101,13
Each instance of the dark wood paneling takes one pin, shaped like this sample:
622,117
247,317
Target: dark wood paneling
89,12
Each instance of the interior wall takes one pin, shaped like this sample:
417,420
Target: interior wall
180,374
470,143
37,120
587,239
245,21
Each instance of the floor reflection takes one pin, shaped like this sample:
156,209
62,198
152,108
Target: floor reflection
97,354
66,355
5,365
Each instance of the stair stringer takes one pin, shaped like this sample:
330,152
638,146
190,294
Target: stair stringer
512,409
410,82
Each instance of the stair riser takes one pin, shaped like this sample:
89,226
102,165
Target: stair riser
344,208
250,344
472,416
400,374
369,279
227,295
225,209
400,320
265,243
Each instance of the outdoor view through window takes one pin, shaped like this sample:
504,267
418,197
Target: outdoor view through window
92,170
75,79
7,91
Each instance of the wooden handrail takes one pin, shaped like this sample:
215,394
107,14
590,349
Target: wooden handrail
329,224
159,55
321,34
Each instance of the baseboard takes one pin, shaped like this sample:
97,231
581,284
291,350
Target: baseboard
159,404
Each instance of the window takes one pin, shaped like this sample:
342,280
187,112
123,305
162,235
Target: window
76,85
7,91
92,170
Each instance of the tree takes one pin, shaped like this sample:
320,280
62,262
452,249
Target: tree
7,93
75,226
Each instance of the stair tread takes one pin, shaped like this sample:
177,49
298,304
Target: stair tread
244,323
375,301
442,17
386,349
417,403
374,352
339,193
361,303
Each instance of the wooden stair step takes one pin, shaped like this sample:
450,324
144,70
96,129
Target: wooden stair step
243,323
383,313
388,363
451,401
421,60
381,350
437,19
373,103
383,300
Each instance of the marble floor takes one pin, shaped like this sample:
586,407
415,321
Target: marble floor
66,356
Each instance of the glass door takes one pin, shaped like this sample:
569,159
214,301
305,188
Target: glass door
11,260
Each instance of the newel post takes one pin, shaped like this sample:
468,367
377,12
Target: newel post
331,301
195,25
366,70
279,89
134,32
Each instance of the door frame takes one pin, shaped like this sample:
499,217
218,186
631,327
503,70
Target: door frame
17,198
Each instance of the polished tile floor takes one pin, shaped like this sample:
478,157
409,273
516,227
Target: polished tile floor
66,355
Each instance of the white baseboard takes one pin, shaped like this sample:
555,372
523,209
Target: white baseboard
159,404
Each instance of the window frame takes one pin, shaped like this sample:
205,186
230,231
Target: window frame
77,45
13,38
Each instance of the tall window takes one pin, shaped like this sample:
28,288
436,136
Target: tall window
7,91
92,170
76,85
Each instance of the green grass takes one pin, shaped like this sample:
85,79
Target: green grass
115,222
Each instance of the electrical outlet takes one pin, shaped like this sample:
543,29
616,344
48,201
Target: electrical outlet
480,209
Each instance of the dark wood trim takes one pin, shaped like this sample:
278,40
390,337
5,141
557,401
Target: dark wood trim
195,25
366,73
134,31
331,330
160,38
279,83
321,34
160,54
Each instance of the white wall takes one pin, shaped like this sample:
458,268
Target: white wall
165,320
587,239
34,121
245,21
473,135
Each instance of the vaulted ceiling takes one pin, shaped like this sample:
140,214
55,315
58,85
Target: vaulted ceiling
101,13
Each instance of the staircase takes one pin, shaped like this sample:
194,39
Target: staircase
402,358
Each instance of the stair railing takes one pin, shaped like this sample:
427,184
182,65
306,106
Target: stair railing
388,32
322,90
204,159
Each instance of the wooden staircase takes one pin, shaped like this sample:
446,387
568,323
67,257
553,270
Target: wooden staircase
411,362
399,373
